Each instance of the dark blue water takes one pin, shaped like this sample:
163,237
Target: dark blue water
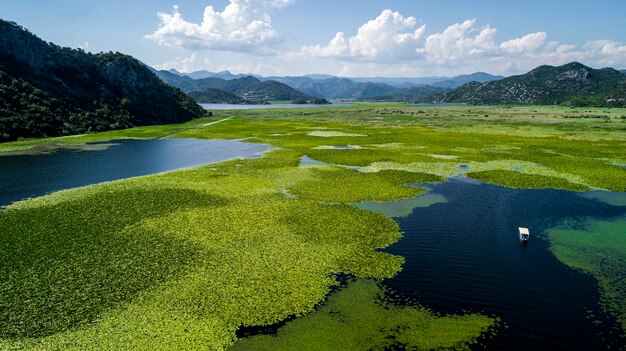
465,255
34,175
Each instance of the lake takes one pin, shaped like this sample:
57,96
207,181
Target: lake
462,253
460,239
250,107
26,176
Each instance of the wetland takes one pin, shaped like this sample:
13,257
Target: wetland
188,258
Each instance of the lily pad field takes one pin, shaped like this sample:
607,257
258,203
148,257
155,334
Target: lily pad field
189,259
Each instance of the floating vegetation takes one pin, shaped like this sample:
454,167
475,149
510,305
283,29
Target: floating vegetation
360,316
337,147
387,145
331,133
347,186
515,179
436,168
444,157
402,208
610,198
211,249
596,247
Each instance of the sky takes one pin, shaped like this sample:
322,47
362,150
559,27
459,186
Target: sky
353,38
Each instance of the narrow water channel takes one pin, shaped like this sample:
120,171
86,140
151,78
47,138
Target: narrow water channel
24,176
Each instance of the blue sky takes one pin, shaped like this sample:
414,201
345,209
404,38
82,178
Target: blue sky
350,38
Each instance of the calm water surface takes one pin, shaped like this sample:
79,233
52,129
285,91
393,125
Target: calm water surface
34,175
463,253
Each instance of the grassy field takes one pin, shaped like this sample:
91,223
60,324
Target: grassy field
183,259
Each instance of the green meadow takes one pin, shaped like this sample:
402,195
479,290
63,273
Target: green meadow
183,259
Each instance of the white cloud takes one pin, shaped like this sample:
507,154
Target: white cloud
610,52
527,43
389,45
390,35
457,42
243,26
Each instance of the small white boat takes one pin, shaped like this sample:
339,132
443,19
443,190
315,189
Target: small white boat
524,234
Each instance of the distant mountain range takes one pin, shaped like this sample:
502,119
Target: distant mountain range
409,95
337,88
332,87
249,88
572,84
216,96
623,71
48,90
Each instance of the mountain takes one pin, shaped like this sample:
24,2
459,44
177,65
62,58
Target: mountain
47,90
336,88
249,88
181,82
299,83
400,82
410,95
332,87
440,82
174,71
458,81
216,96
572,84
223,75
377,87
341,88
623,71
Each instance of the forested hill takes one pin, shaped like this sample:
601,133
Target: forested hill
572,84
249,88
48,90
216,96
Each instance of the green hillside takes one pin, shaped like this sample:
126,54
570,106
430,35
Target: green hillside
573,84
48,90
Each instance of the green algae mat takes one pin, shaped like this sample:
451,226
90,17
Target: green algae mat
596,247
182,260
